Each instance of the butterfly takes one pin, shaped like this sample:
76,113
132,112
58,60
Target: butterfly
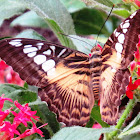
69,81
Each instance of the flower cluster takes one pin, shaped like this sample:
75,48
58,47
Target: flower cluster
9,130
135,70
7,75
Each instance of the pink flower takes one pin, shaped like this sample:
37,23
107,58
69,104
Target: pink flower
20,118
137,54
131,87
26,111
9,129
133,65
3,65
97,126
31,131
7,75
99,47
137,2
4,114
2,100
138,72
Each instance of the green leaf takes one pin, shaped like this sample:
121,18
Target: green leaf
132,127
46,117
29,19
95,114
121,12
134,130
80,133
9,8
16,92
86,23
132,137
73,5
82,44
99,3
132,124
30,34
56,15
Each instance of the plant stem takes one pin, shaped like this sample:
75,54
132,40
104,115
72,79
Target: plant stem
129,107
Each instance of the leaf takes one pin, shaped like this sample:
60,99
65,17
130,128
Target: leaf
86,23
99,3
30,34
82,44
134,130
9,8
135,122
95,114
121,12
80,133
133,127
73,5
54,14
132,137
16,92
30,19
46,116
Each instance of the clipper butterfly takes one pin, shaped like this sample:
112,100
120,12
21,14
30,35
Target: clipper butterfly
70,80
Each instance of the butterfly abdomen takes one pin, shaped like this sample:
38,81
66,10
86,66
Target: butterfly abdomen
95,67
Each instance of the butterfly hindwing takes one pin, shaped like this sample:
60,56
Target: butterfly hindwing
62,75
116,56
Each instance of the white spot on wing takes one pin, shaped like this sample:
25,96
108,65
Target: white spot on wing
133,14
27,46
119,55
39,45
28,50
52,47
61,52
121,38
48,52
124,30
126,25
39,59
121,25
113,70
32,54
117,33
16,42
126,21
49,64
119,47
18,45
51,72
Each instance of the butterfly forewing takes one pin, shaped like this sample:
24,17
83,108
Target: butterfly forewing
62,74
117,54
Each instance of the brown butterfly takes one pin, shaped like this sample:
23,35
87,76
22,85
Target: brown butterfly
70,80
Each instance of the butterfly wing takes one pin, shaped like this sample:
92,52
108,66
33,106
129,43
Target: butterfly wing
117,55
62,75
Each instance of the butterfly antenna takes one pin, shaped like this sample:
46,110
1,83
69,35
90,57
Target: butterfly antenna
75,38
104,23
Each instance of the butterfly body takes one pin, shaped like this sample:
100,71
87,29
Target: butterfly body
69,81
